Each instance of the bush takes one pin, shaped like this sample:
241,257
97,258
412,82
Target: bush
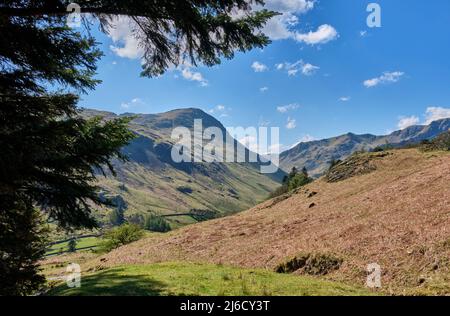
297,181
136,219
312,264
185,190
293,181
72,245
120,236
156,223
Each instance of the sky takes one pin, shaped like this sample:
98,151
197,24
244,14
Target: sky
326,72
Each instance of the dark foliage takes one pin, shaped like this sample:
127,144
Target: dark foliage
50,156
120,236
22,243
156,223
292,181
170,32
72,245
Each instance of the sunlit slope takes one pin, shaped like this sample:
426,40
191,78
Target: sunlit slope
397,215
152,181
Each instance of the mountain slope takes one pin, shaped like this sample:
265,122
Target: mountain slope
316,155
397,216
152,181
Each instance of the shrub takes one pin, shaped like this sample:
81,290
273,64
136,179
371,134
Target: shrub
156,223
312,264
136,219
298,180
293,181
117,216
120,236
72,245
185,190
203,215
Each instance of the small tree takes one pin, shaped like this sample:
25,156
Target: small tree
293,172
23,240
120,236
293,181
156,223
72,245
298,180
117,217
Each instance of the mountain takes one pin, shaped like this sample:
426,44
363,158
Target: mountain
152,181
316,155
396,215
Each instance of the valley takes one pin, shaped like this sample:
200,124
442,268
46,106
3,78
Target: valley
396,216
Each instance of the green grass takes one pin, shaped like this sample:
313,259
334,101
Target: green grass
81,243
201,279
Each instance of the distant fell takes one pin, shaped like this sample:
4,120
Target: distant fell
317,155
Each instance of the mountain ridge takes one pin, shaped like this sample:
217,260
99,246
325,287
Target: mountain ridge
151,181
317,155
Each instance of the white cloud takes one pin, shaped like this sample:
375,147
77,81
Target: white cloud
220,110
291,123
263,89
433,113
280,26
308,69
287,108
125,43
190,75
405,122
324,34
436,113
258,67
292,69
344,99
305,139
363,33
386,77
290,6
134,102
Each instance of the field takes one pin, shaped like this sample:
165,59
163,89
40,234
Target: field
201,279
82,244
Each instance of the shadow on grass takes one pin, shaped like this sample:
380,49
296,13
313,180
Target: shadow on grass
112,282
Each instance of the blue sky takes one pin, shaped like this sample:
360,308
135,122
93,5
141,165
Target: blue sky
326,72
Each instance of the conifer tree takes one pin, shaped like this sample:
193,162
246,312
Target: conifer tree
50,154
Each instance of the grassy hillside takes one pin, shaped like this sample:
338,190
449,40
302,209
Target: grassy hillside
396,214
201,279
82,244
151,182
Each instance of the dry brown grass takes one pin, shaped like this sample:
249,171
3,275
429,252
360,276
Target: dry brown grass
397,216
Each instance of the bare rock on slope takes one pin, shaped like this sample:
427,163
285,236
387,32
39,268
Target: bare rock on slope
356,164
